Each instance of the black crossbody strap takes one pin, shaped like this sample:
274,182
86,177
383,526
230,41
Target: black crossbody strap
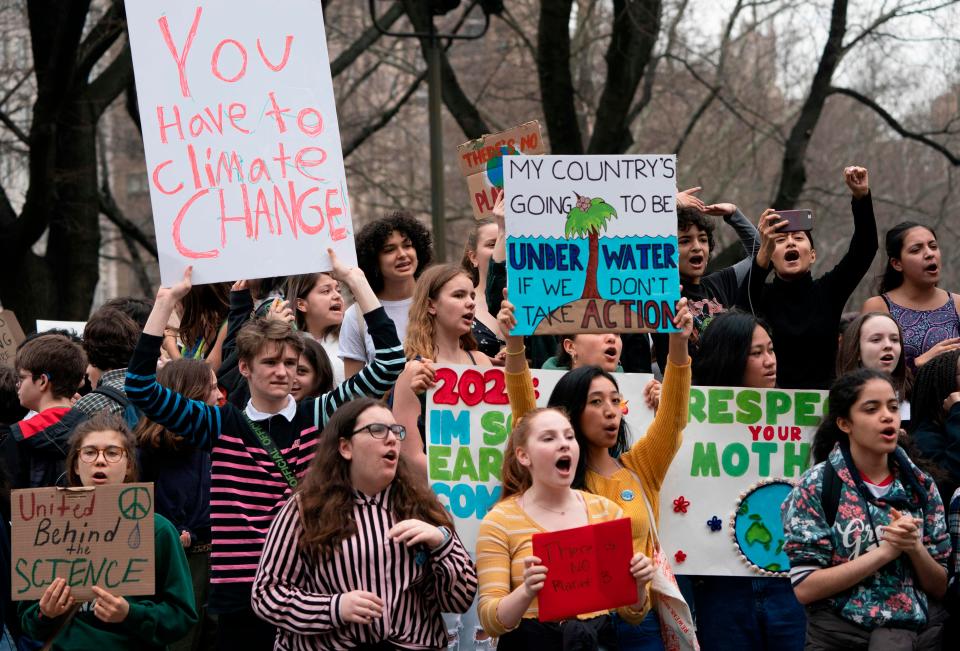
273,452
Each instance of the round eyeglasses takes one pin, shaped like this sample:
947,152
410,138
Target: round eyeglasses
90,454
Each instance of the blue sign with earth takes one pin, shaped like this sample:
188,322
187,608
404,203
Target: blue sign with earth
758,529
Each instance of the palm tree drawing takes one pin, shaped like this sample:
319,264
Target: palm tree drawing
586,219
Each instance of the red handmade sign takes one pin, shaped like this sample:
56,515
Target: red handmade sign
588,569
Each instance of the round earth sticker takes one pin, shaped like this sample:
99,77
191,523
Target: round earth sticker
757,529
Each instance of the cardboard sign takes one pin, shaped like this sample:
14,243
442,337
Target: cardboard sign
588,569
99,536
241,138
481,162
76,327
592,243
11,336
738,441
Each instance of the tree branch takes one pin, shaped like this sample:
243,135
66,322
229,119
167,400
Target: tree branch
111,82
556,80
895,124
370,36
100,39
110,210
385,117
636,25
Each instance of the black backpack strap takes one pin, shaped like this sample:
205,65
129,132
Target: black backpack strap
113,393
830,492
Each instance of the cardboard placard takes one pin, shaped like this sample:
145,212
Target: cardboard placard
99,536
592,243
720,500
481,162
588,569
11,336
241,138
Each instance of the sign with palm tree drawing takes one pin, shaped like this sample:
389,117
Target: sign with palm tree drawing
591,243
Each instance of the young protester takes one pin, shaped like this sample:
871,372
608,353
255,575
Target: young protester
102,453
49,369
869,589
109,338
874,340
393,252
804,313
927,314
538,470
630,476
203,325
708,294
440,330
319,308
935,417
181,484
738,612
136,308
314,375
476,260
260,452
359,511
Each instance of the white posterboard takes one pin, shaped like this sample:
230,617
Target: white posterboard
241,138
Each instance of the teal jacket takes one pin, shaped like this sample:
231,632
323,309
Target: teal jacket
552,365
152,623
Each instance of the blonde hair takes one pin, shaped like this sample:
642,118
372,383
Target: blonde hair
421,327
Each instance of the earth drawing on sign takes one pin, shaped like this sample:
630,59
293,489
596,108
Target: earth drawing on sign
757,529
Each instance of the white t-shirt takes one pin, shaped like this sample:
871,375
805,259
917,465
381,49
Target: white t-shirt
362,350
331,344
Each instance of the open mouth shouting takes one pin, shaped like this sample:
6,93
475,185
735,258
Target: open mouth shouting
697,261
932,269
99,478
391,456
610,354
888,360
565,465
792,255
890,434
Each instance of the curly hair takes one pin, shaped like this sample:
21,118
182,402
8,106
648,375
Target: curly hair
326,493
372,237
935,380
687,217
421,327
109,339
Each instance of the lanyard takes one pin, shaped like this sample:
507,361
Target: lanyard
273,452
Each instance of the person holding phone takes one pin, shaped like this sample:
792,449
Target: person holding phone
804,314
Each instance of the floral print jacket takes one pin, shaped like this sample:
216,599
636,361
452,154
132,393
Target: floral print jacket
891,596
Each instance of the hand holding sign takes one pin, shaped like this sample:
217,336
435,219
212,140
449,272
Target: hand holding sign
56,599
109,608
179,289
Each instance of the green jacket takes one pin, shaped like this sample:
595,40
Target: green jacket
552,365
152,623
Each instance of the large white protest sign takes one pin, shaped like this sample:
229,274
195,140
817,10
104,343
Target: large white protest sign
241,137
591,243
720,501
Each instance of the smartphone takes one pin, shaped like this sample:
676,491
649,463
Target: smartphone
797,220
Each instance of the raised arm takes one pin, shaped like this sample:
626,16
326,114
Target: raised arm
651,455
194,420
746,231
843,279
380,375
516,371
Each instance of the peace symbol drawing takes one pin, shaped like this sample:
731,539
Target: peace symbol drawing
134,503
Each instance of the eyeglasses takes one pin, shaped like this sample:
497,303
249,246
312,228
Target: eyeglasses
112,454
21,378
379,430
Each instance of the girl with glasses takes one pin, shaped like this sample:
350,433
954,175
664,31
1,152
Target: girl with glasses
103,452
363,556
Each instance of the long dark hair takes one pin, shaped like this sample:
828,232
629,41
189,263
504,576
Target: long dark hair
848,357
935,380
843,395
570,395
724,349
205,309
326,493
316,356
893,243
191,379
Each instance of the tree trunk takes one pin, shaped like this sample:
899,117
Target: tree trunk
793,172
590,285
